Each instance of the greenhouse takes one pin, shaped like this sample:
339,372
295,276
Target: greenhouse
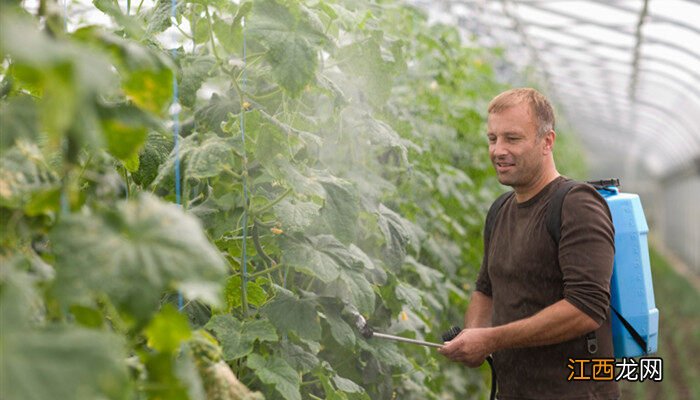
349,199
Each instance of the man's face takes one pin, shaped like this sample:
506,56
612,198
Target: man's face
516,152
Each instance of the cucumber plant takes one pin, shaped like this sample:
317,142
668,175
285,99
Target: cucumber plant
329,157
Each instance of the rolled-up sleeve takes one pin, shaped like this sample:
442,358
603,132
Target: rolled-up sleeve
587,251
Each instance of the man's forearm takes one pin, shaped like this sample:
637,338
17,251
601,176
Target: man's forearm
557,323
478,313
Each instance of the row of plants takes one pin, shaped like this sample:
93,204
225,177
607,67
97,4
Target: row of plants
204,192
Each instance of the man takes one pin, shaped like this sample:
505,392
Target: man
535,305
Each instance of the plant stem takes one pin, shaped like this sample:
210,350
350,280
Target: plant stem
211,34
256,241
266,271
271,204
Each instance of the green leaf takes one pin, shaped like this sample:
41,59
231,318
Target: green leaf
125,128
340,330
255,293
318,257
294,62
373,65
203,156
69,362
209,117
275,371
18,120
346,385
131,25
291,35
87,316
296,215
158,18
409,295
386,352
298,358
352,287
195,71
154,153
341,208
167,330
150,89
289,313
163,373
398,233
132,253
303,182
25,176
237,338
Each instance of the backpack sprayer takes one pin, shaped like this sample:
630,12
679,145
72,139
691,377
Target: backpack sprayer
367,332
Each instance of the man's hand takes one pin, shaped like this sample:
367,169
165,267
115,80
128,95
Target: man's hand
470,347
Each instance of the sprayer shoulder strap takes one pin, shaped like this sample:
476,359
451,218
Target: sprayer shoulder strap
554,229
493,213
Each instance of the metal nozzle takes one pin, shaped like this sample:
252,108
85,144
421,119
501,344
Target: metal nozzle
368,333
362,326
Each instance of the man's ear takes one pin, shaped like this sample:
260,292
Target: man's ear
549,139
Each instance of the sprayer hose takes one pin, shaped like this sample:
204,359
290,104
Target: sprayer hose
489,359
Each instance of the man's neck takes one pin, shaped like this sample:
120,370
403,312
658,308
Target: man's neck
523,194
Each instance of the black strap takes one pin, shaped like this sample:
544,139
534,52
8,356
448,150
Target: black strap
635,335
556,203
493,212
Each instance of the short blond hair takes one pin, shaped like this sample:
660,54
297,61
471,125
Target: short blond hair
539,105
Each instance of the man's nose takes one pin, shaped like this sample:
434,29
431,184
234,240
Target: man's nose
498,148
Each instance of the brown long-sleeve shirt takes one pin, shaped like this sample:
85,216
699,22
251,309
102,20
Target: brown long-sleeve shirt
523,272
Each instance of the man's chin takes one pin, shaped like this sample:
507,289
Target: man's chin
505,180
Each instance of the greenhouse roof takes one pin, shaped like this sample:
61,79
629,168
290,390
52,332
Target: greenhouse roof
624,73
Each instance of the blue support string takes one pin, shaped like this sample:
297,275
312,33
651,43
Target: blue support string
175,111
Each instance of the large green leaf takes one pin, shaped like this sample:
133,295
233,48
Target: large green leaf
292,37
125,128
62,363
167,330
354,288
290,313
276,372
298,358
341,208
133,253
321,256
399,233
202,156
154,153
150,89
24,174
294,62
194,71
237,337
296,215
52,362
209,116
374,65
340,330
18,120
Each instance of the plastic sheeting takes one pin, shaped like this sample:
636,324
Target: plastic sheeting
624,73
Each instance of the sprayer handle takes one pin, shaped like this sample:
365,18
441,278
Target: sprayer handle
451,334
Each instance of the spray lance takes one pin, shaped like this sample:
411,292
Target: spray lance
367,332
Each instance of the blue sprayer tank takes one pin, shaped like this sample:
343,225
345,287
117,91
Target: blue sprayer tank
632,293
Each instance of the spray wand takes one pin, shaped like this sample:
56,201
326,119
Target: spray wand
369,333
